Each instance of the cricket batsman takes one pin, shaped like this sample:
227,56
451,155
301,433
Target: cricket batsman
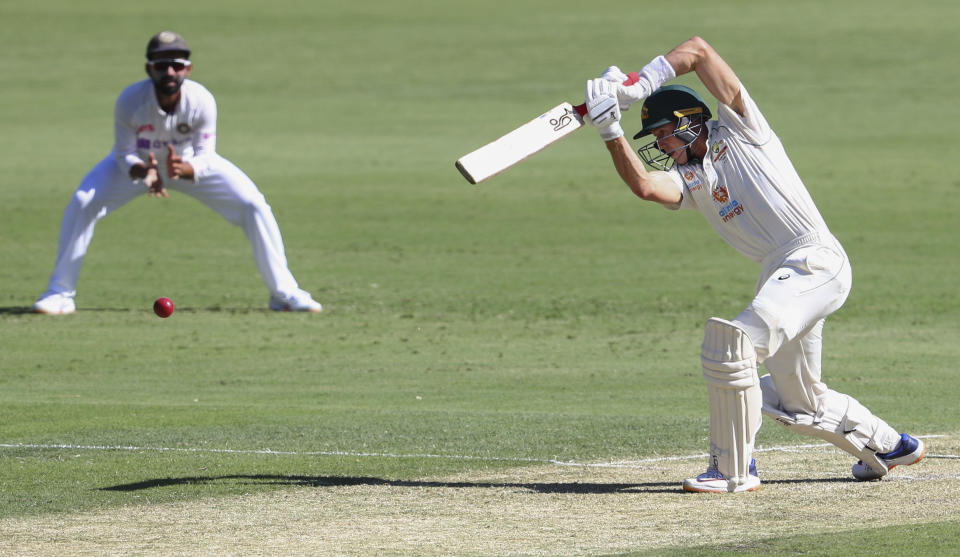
165,132
735,171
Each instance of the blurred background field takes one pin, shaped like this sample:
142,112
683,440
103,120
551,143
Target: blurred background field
545,314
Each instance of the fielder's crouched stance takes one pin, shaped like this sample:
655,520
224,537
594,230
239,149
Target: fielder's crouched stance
736,173
173,118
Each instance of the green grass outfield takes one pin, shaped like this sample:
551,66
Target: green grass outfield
469,331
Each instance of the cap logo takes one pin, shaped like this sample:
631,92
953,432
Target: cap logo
687,112
644,112
166,37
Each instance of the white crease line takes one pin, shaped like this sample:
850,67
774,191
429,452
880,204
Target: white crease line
620,464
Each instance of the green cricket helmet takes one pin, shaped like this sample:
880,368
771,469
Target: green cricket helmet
671,103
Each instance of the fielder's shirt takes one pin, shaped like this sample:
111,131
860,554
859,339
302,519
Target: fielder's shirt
746,186
141,126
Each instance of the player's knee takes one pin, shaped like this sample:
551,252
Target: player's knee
727,355
251,210
84,198
762,328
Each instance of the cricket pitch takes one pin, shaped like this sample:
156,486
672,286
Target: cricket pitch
537,510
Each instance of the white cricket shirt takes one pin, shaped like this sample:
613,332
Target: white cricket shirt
141,126
746,186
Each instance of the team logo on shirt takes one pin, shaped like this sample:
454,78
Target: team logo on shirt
720,193
145,128
719,151
184,128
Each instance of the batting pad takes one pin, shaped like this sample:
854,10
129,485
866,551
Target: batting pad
730,368
840,420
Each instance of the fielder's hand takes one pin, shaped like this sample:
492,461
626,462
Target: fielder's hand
176,168
603,110
152,179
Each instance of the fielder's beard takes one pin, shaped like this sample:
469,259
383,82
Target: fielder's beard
167,86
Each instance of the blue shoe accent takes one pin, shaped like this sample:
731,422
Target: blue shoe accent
906,446
909,450
710,474
753,467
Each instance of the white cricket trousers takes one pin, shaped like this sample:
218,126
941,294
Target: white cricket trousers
226,190
799,287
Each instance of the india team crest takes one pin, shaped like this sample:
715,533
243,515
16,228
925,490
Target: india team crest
720,193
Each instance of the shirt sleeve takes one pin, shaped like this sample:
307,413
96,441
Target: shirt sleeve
686,199
204,137
124,135
752,127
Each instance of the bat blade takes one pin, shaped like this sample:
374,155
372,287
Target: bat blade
530,138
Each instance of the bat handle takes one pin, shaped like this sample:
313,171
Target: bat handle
632,78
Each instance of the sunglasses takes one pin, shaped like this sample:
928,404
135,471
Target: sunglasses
178,64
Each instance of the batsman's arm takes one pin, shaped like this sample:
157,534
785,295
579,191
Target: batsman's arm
696,55
650,185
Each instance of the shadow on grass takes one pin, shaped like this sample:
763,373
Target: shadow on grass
342,481
16,310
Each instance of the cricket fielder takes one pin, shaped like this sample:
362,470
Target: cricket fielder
169,122
735,172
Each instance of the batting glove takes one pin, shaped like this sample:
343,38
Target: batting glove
603,110
614,74
637,86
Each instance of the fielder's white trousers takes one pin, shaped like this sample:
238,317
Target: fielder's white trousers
226,190
799,287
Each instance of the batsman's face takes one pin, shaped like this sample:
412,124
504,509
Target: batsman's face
669,143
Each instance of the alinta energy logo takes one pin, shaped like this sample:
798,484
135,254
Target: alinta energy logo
692,181
720,193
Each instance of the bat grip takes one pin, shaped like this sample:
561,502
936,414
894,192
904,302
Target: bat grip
632,78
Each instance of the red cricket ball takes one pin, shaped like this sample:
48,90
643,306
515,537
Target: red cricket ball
163,307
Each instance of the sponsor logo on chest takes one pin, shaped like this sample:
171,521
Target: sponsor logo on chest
727,209
693,183
147,136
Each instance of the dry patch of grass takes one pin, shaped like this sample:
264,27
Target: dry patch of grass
542,510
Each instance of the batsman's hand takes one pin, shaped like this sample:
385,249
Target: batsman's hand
152,179
176,168
626,96
603,109
614,74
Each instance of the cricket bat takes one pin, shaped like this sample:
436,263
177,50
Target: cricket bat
529,139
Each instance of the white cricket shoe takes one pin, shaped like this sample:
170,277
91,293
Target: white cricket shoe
712,481
909,451
298,301
54,304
